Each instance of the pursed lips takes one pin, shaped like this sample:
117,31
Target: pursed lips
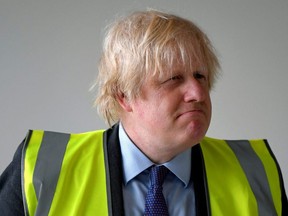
192,112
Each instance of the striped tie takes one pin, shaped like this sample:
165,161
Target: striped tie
155,202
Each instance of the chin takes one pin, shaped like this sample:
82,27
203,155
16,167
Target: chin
196,131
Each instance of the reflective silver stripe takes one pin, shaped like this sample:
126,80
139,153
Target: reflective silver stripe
47,169
252,164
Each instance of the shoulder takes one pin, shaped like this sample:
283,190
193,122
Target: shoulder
10,187
237,145
40,138
247,152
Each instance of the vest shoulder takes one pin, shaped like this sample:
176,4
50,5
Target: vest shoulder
87,133
214,140
242,145
36,137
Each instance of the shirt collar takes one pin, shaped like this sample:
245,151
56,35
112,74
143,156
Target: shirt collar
131,154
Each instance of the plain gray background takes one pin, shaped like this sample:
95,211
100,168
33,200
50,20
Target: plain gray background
49,51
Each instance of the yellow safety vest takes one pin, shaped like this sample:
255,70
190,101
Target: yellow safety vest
242,178
66,174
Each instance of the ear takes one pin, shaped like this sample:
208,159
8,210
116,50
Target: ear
124,102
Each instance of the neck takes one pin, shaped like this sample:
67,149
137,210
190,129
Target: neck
158,152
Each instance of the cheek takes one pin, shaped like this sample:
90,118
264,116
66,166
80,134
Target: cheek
209,108
146,111
155,115
157,108
165,110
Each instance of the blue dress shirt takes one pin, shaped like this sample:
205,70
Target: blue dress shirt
177,188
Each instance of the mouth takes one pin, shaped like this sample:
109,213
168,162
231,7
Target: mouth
191,113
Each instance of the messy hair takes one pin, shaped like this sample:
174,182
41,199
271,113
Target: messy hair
145,44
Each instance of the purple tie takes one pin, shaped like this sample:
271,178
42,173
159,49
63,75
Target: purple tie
155,202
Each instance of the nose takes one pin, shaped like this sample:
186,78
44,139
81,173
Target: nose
195,90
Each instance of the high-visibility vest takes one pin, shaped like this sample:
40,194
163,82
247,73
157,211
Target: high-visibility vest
242,177
66,174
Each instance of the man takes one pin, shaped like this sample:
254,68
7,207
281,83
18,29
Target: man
155,76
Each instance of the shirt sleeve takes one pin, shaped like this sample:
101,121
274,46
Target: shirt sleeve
11,202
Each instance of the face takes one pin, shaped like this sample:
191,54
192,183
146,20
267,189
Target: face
173,112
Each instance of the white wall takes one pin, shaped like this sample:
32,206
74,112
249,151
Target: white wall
49,51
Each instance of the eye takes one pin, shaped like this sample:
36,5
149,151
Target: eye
199,75
178,77
173,78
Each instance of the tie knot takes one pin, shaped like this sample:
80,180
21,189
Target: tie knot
158,174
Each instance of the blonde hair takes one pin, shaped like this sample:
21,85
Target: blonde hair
143,44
